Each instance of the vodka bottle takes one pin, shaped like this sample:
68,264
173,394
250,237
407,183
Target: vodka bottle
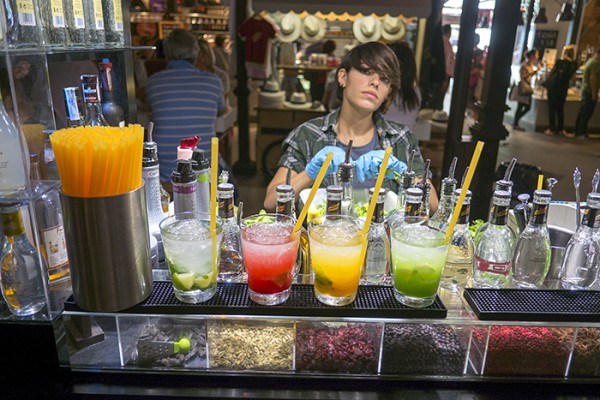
231,267
334,200
346,173
21,278
73,107
441,218
151,177
111,110
459,261
582,257
201,167
494,247
408,181
184,187
531,258
377,258
12,166
91,100
502,185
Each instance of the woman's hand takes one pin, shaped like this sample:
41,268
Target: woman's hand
367,166
314,166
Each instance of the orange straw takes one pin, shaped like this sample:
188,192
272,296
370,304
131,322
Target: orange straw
463,191
378,184
540,181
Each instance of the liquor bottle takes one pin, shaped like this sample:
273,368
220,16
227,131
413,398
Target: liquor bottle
346,173
73,107
21,278
334,200
151,177
231,266
441,218
201,167
184,187
522,211
91,100
53,23
377,257
494,247
460,258
426,188
111,110
49,159
12,163
407,181
582,256
505,185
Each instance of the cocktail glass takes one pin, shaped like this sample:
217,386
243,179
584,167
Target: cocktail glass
337,246
418,258
269,251
189,252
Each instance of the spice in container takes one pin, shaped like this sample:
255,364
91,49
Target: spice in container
94,19
22,23
113,22
586,353
78,32
52,16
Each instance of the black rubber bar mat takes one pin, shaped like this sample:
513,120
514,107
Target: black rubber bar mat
232,299
534,305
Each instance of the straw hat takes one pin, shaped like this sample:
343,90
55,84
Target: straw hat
313,28
393,29
297,101
367,29
289,28
271,86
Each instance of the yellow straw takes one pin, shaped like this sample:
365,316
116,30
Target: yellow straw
378,183
214,166
313,192
540,181
463,192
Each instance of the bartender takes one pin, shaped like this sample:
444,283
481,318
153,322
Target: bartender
369,78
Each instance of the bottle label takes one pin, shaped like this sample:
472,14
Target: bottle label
184,189
412,209
106,77
118,15
71,102
58,15
26,12
226,208
499,215
98,16
78,14
203,178
12,223
539,213
333,207
591,218
378,213
463,217
493,267
151,173
284,208
56,248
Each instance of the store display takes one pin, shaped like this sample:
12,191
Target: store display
94,19
378,255
78,33
54,29
113,22
270,96
22,23
586,353
91,102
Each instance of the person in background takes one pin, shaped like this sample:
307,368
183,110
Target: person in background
405,107
557,83
449,61
475,74
368,79
589,96
221,54
318,79
206,62
525,89
184,100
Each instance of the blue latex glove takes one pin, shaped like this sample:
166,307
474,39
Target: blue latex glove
314,166
367,166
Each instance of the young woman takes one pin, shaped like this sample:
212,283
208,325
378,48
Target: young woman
525,89
405,107
368,78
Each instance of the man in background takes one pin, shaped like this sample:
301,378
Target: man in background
589,96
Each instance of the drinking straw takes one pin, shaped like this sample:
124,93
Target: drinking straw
540,181
214,167
378,183
463,191
313,192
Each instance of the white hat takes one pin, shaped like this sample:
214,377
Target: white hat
271,86
298,101
289,28
367,29
439,116
313,28
393,29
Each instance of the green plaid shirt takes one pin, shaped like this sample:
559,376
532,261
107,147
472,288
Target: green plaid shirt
308,138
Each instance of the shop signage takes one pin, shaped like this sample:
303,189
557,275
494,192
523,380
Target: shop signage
545,39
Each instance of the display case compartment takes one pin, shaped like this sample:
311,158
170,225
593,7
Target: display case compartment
585,361
92,340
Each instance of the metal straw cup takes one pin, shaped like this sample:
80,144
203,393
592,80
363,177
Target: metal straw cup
109,251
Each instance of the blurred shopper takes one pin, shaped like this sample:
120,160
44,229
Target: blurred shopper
449,61
557,83
405,107
221,54
524,89
589,96
206,62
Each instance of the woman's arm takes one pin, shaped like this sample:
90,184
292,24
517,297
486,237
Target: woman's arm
299,182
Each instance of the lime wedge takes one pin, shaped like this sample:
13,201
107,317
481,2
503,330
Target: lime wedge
204,281
183,281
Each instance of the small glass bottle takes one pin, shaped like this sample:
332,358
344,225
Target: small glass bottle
54,28
408,181
377,257
91,100
531,258
334,200
151,177
231,266
184,187
73,107
21,275
94,19
285,200
502,185
494,247
201,166
460,258
346,173
426,188
22,23
111,110
113,22
78,33
441,218
582,256
49,159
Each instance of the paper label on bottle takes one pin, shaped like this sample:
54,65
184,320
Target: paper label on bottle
98,16
493,267
56,248
26,12
118,15
58,14
78,14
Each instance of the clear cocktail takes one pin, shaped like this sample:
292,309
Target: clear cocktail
418,258
336,251
269,250
189,254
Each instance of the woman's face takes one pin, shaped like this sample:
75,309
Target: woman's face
364,88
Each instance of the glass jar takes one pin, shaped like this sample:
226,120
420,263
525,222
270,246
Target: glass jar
78,32
113,22
52,16
22,23
94,18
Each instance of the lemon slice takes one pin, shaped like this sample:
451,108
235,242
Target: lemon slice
183,281
312,213
203,281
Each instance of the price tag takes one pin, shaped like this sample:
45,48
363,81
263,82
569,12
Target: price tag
26,12
118,15
98,16
58,14
78,14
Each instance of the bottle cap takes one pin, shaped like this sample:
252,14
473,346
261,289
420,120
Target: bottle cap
467,196
334,189
502,194
593,200
448,186
183,173
284,189
199,157
149,154
414,192
542,194
346,171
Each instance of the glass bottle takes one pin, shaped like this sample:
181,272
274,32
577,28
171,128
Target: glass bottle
91,100
94,19
113,22
459,261
49,159
502,185
408,181
231,266
21,278
151,177
426,188
12,165
582,256
441,218
22,28
346,173
73,108
531,258
377,257
78,33
184,187
111,110
201,167
494,247
54,29
286,206
412,207
334,200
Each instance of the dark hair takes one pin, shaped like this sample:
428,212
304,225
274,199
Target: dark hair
531,53
446,29
381,59
569,52
329,46
407,97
